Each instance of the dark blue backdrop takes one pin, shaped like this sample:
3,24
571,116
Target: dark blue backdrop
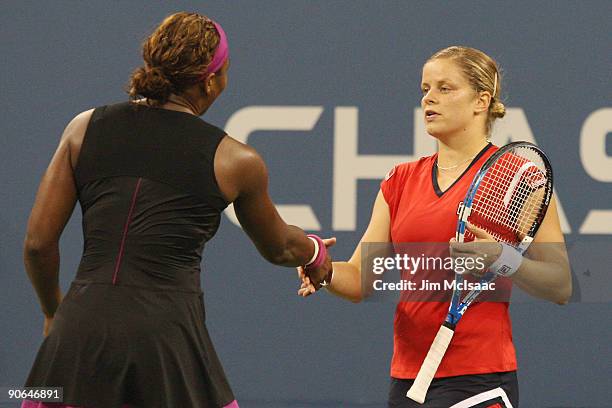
337,64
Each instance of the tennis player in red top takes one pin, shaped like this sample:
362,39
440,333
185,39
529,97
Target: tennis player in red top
461,88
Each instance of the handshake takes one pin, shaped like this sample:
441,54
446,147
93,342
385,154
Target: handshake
318,272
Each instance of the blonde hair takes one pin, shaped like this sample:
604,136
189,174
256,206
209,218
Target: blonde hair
482,72
175,56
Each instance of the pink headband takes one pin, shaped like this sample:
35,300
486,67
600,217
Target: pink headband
221,53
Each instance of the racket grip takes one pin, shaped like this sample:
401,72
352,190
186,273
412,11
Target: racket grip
428,369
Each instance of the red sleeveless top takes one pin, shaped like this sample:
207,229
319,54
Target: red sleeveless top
420,212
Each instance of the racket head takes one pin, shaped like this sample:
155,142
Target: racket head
509,195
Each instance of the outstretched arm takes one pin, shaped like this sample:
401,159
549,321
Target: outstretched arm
243,179
347,278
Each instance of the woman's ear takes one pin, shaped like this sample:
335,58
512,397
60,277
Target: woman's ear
208,83
483,101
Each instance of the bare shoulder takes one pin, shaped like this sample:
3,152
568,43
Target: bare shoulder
236,158
77,126
75,133
239,169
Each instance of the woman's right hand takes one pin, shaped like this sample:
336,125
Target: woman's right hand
312,278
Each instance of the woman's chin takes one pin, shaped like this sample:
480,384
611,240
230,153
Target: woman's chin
434,131
441,134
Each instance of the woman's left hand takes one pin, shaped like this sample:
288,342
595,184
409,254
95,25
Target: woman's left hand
482,251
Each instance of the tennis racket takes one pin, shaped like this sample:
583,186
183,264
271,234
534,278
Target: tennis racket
508,198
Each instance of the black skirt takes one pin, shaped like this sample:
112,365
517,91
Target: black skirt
111,345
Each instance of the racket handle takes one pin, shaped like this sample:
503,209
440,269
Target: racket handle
429,367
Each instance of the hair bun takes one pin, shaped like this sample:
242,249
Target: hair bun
150,83
498,110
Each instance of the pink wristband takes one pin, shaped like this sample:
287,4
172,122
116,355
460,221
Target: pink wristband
318,261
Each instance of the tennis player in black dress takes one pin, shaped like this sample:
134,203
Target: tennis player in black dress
152,179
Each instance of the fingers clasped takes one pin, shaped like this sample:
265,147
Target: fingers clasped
318,274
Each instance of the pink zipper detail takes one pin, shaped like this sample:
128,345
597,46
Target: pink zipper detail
125,231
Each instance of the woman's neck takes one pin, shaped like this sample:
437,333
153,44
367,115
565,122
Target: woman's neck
454,151
182,104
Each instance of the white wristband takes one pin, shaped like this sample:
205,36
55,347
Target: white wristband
508,263
316,251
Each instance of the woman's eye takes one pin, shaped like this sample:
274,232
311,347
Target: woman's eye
445,89
424,90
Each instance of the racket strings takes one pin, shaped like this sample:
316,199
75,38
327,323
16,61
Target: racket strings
509,198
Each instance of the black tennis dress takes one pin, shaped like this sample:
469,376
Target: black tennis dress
131,328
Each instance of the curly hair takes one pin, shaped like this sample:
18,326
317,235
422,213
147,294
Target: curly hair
175,56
